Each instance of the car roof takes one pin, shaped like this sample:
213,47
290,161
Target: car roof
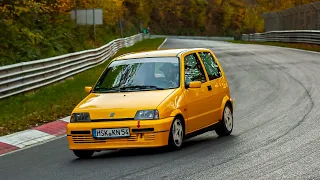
156,53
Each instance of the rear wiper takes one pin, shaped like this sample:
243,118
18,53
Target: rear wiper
142,87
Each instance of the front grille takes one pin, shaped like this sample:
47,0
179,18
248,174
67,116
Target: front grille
143,130
80,132
149,137
114,119
90,139
85,139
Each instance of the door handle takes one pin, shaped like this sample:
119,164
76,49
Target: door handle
209,88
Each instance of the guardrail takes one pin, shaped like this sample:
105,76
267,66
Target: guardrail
213,38
25,76
293,36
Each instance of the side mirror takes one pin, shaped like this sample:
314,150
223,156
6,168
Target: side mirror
88,89
194,84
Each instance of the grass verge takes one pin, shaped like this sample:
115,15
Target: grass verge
309,47
55,101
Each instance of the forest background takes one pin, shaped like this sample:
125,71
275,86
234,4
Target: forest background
36,29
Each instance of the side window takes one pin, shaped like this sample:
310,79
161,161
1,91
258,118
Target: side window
211,65
193,69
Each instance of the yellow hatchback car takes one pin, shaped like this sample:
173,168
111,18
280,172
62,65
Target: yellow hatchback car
152,99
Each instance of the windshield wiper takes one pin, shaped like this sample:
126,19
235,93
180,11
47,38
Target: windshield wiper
102,90
126,88
142,87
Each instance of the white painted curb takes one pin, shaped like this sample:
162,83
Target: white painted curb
31,137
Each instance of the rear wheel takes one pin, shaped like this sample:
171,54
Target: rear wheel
83,153
176,134
225,126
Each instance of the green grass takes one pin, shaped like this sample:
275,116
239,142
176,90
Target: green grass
55,101
309,47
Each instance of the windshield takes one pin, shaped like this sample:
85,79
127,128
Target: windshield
140,75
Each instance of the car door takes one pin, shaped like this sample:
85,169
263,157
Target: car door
214,79
197,98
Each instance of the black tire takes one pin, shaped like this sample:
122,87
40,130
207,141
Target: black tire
224,128
173,142
83,154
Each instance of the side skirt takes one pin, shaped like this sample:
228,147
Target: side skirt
201,131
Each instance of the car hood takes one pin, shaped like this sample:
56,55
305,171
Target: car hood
121,104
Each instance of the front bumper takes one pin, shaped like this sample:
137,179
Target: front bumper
151,133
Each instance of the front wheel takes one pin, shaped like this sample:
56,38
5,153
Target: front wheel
225,126
176,134
84,154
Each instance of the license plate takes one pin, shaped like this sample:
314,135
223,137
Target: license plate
111,133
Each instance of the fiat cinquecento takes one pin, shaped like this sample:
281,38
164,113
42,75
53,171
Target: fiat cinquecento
152,99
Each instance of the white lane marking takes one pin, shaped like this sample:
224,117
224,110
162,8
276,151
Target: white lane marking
25,138
66,119
162,43
302,50
279,47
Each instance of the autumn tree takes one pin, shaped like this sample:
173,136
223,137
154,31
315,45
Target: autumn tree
35,29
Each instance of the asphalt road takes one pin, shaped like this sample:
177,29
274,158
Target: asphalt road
276,135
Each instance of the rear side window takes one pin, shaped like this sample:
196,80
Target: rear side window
193,69
211,65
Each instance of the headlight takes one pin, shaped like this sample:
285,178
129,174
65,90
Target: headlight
80,117
147,114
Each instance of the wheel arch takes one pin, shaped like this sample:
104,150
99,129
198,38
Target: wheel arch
226,101
177,113
180,116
